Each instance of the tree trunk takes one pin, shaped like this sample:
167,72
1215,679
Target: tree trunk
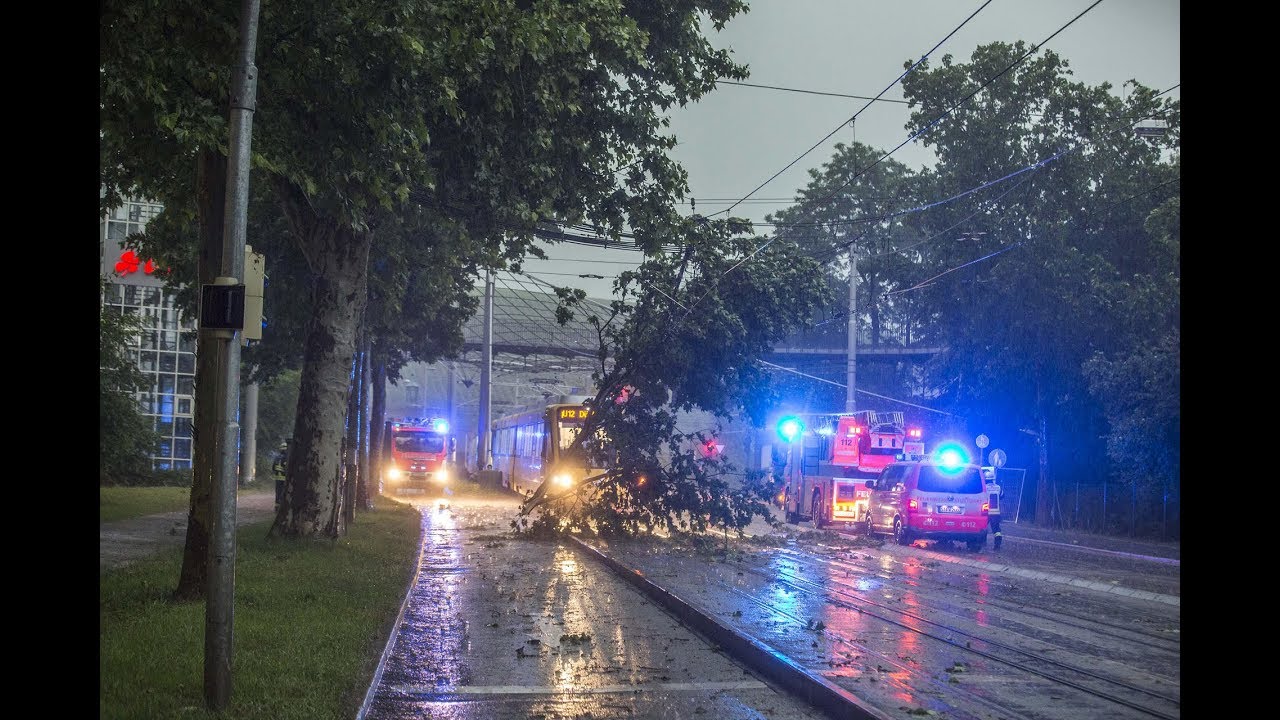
363,494
351,444
211,190
377,424
339,257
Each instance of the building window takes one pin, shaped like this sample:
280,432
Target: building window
170,400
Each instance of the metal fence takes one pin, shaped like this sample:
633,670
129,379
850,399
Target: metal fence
1110,508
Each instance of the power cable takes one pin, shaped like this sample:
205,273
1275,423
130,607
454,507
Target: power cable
813,92
859,112
965,99
865,392
1034,49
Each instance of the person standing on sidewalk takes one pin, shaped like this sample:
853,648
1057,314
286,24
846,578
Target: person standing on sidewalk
279,466
994,493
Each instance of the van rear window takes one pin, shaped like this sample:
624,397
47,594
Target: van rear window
966,481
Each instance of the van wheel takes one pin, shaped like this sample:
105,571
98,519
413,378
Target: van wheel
977,545
819,522
900,533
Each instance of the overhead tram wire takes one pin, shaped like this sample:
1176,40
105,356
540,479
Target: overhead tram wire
836,249
838,384
529,325
544,283
1020,243
859,112
833,132
1035,166
1089,214
954,197
939,202
813,92
1034,49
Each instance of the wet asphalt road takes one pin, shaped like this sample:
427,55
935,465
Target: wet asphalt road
1039,630
499,628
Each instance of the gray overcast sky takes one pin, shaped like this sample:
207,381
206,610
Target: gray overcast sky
737,137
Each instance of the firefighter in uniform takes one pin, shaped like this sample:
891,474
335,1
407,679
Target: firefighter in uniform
994,493
278,466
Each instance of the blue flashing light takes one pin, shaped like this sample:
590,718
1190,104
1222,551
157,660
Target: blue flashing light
790,428
951,457
440,426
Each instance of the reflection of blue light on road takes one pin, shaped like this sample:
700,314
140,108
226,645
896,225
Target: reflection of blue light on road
786,601
866,584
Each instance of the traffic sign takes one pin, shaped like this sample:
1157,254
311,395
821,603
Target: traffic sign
997,457
982,441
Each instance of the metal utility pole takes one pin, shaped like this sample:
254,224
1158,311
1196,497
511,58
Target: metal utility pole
486,361
249,434
449,414
851,373
220,599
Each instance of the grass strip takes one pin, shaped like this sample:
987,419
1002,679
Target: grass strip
310,621
121,503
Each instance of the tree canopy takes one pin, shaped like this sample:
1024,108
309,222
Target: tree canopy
685,332
1042,252
460,123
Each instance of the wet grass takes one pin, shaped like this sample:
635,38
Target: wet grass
310,622
122,503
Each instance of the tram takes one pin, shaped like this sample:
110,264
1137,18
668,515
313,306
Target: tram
532,447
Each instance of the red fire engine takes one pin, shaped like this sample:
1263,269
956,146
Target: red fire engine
829,457
415,453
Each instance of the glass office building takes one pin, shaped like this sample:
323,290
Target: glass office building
165,349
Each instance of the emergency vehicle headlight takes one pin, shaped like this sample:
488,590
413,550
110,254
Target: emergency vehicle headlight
441,476
562,479
393,473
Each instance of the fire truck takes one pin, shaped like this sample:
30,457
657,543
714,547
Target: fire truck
829,457
415,453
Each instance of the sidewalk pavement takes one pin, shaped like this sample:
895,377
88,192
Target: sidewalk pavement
126,541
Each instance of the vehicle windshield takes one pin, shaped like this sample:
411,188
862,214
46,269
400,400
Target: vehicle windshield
568,434
419,442
846,492
935,479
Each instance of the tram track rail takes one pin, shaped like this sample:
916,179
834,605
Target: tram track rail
1155,641
1146,698
925,679
801,584
1169,713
